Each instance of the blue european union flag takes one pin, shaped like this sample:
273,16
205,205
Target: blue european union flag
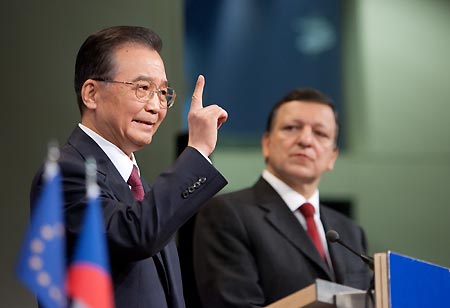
41,264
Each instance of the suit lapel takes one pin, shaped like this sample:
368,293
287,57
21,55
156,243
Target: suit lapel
106,170
280,218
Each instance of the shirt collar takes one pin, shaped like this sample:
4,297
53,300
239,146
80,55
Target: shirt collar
119,159
292,198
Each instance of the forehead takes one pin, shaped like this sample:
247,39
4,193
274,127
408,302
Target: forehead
306,112
130,49
138,59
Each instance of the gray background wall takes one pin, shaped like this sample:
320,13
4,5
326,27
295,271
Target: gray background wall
397,87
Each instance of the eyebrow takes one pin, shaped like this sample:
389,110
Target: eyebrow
165,83
315,124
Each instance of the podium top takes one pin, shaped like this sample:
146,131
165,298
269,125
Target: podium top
317,295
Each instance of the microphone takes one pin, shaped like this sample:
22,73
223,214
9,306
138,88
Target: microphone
333,237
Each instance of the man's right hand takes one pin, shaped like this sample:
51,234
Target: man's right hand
203,122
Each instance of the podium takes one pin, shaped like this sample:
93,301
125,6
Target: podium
322,294
400,282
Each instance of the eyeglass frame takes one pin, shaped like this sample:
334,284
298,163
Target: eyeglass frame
151,92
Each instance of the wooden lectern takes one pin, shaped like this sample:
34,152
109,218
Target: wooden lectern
400,282
321,294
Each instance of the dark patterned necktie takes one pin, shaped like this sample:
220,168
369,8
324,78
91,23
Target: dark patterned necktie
307,209
136,184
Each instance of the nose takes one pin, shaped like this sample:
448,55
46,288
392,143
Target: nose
153,104
305,136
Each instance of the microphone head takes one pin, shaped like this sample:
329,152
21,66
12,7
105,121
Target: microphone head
332,236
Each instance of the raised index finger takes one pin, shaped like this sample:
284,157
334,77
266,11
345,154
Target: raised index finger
197,97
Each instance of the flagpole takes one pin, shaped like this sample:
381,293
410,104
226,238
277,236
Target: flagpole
51,164
92,189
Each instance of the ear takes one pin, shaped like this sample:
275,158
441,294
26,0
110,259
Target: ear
333,157
89,93
265,142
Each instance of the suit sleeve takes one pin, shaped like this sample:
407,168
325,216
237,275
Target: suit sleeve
225,269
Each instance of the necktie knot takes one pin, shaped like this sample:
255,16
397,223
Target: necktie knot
136,184
307,210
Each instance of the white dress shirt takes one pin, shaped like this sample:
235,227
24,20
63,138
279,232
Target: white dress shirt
294,200
120,160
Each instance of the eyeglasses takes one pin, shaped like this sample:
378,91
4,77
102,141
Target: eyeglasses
145,89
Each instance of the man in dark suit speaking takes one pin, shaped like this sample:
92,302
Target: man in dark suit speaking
255,246
123,95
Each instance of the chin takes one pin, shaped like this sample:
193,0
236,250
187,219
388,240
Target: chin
306,175
143,144
143,139
149,140
140,144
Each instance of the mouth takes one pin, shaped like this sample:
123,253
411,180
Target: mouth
147,123
301,156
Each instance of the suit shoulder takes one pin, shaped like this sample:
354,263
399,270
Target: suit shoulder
232,202
235,198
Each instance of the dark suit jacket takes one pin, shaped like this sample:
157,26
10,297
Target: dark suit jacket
143,257
250,250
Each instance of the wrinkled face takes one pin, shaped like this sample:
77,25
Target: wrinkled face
301,144
119,116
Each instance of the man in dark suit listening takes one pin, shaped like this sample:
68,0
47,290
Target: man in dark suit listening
123,95
255,246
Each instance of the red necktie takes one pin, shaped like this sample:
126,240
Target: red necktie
136,184
307,209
